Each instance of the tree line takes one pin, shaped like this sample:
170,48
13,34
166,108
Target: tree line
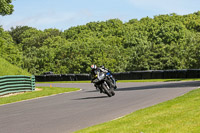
163,42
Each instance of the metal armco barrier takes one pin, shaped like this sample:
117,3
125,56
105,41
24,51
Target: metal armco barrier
16,83
150,74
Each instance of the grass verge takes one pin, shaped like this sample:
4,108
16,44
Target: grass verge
180,115
45,91
64,82
159,80
124,81
7,68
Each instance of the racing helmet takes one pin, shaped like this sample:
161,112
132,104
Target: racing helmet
93,66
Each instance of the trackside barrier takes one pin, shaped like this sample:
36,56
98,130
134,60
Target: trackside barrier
16,83
150,74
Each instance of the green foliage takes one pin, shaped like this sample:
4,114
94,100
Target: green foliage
17,31
5,7
8,69
8,49
163,42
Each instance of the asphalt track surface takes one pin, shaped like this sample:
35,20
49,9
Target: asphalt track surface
68,112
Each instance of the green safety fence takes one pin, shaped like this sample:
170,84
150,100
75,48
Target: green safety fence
16,83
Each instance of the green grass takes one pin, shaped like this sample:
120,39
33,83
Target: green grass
8,69
159,80
46,91
65,82
180,115
124,81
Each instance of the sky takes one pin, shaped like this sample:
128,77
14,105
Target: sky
63,14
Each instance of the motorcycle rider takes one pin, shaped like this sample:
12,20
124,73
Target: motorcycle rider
94,69
93,72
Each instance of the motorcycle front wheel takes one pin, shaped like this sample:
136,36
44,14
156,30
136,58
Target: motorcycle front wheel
107,90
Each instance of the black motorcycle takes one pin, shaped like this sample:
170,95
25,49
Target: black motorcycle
105,83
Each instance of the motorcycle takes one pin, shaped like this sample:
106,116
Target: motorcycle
105,82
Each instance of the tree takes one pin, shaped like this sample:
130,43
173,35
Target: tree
159,43
17,31
8,49
6,8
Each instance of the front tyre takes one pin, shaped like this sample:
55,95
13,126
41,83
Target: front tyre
107,90
112,92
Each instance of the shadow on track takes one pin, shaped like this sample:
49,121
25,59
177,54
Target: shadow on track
92,90
85,98
160,86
